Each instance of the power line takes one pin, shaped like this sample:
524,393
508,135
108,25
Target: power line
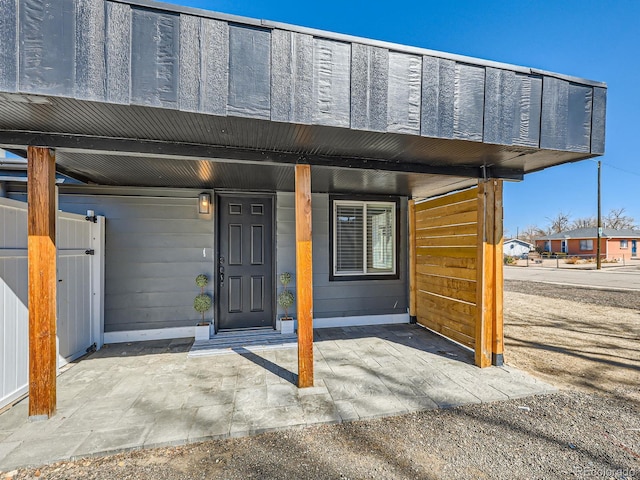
621,169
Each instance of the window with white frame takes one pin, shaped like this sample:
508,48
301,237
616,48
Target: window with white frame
586,244
624,243
364,238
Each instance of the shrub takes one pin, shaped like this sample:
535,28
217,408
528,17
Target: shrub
572,260
509,260
203,301
285,299
202,280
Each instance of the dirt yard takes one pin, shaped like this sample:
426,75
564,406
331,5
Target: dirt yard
575,337
579,340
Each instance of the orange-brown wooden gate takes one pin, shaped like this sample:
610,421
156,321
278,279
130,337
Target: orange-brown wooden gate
456,281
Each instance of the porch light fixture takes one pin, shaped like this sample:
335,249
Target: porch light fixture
204,204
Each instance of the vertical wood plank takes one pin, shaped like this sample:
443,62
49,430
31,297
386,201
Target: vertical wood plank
485,276
42,281
413,298
498,313
304,275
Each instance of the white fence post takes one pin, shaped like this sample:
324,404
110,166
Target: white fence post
97,281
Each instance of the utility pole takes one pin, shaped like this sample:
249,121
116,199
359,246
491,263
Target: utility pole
598,260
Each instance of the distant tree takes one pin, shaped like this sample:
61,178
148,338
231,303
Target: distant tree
530,233
584,222
617,219
559,223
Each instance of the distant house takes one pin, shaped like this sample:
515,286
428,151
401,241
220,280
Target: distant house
517,248
583,241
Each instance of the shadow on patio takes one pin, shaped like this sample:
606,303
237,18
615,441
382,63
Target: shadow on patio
138,395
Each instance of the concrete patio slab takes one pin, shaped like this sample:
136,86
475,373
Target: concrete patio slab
147,394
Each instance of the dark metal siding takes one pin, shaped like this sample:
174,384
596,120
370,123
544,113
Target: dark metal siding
369,87
249,72
47,34
566,109
117,53
90,49
155,58
8,47
184,60
291,77
598,120
404,93
153,254
512,111
337,299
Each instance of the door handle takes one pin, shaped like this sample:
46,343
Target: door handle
221,271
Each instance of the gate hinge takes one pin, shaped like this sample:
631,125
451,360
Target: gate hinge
90,252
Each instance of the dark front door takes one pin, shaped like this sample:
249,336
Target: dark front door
245,271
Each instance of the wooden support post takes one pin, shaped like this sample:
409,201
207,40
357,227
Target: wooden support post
413,298
304,276
42,282
497,351
489,323
485,275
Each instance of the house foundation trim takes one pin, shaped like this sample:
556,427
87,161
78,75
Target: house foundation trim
146,335
359,321
42,281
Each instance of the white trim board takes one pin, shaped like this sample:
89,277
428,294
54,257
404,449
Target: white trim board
357,321
184,332
152,334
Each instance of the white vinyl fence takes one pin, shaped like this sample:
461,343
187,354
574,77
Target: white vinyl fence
80,269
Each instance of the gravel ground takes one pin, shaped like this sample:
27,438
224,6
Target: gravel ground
592,296
590,429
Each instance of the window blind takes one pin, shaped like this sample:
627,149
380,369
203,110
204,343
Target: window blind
364,238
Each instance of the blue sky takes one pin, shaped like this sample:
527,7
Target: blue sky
598,40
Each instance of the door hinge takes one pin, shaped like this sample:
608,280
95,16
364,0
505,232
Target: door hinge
90,252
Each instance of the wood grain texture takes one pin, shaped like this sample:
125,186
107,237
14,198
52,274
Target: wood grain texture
468,273
434,310
425,221
42,281
467,229
412,259
498,311
464,290
469,194
466,263
446,244
485,276
444,210
451,252
304,275
448,241
447,331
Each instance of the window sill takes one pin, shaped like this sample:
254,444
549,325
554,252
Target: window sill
353,278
